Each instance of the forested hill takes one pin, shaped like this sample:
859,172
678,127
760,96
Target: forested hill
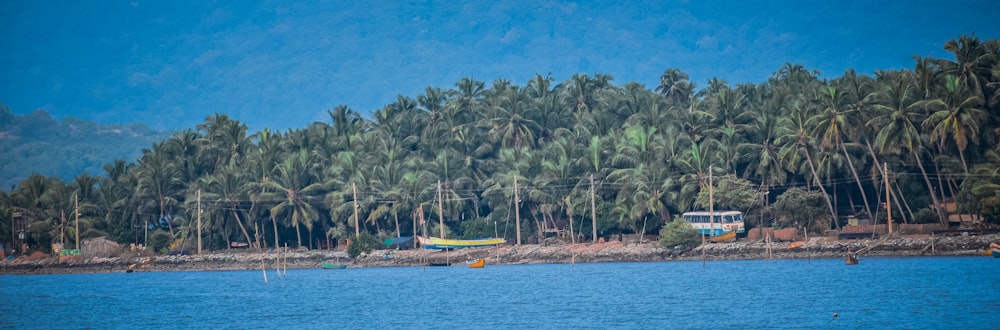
39,143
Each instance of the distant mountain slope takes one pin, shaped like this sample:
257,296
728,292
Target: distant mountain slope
39,143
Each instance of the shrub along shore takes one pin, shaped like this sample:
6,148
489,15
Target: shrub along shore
551,252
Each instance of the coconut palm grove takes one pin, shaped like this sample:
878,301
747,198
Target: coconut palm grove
801,149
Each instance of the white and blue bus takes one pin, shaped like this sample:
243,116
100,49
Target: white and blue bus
723,222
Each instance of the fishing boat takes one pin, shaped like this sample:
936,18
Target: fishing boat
439,264
329,265
434,243
724,237
478,263
851,259
995,248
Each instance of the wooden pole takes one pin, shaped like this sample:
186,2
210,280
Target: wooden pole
808,257
440,210
77,212
517,212
62,228
702,251
593,209
199,221
711,204
357,224
888,209
256,233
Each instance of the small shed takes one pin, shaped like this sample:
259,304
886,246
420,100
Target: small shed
99,246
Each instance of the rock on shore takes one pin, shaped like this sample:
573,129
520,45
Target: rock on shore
551,252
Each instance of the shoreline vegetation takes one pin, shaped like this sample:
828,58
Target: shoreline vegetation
828,155
551,252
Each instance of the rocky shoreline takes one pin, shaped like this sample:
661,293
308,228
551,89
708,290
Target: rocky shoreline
551,252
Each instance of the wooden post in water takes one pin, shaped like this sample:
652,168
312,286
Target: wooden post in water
256,233
703,251
808,257
768,246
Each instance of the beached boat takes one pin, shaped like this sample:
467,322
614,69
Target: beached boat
435,243
851,259
729,235
995,248
478,263
329,265
796,245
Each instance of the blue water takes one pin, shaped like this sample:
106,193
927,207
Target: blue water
915,293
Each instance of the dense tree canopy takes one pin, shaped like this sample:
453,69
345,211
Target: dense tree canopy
451,156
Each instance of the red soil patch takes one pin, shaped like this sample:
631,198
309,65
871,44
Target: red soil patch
36,256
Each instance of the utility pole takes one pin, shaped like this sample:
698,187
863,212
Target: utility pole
517,212
62,228
888,209
357,224
199,221
593,210
76,197
711,204
440,210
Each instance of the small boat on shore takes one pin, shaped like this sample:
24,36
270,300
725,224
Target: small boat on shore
480,263
724,237
434,243
329,265
796,245
995,249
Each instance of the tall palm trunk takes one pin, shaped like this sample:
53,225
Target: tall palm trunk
898,197
826,196
170,227
395,217
298,235
274,221
930,188
850,163
240,223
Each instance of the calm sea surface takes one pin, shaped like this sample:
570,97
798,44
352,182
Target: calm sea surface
916,293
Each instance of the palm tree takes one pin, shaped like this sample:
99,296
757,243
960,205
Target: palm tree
899,112
835,121
296,190
761,151
796,140
159,182
225,139
973,63
676,86
512,126
225,193
956,116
